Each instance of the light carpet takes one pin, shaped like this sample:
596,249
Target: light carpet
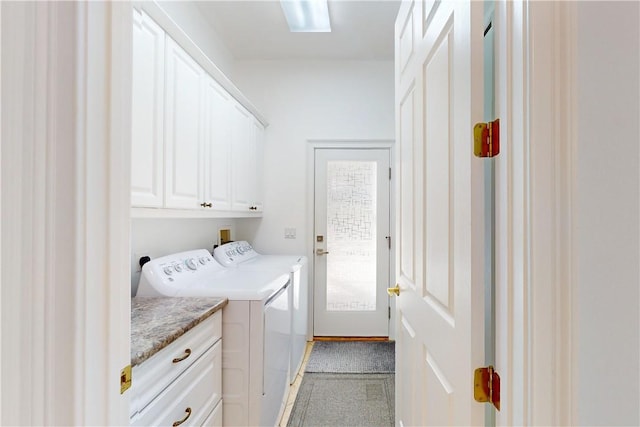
344,400
352,357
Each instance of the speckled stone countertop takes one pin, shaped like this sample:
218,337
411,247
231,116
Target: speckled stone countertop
157,322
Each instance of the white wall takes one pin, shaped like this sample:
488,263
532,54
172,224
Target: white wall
188,17
159,237
309,100
606,297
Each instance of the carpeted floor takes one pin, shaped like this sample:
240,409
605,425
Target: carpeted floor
358,357
344,400
347,383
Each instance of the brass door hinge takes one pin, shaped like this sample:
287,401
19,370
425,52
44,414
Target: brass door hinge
486,386
486,139
125,379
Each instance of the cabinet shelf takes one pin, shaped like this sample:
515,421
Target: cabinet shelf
189,213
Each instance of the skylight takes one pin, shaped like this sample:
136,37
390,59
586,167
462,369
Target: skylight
307,16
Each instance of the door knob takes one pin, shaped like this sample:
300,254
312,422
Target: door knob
321,252
394,291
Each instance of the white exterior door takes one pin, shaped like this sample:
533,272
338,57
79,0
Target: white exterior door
351,242
439,213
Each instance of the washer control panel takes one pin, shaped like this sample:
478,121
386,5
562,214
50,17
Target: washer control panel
176,270
234,253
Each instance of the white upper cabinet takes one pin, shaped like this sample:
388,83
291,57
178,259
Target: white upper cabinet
217,145
196,150
183,109
258,150
247,161
247,136
147,159
242,159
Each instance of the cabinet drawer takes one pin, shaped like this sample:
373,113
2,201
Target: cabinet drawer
155,374
215,417
192,396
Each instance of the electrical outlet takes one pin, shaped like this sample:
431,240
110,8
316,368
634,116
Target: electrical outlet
289,233
137,256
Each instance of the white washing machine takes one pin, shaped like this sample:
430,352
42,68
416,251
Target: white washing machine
242,256
256,329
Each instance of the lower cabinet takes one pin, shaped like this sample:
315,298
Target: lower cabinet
182,383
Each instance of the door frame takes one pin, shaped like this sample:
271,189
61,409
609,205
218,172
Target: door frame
535,101
312,146
66,150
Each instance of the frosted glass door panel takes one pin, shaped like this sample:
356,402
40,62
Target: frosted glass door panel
351,235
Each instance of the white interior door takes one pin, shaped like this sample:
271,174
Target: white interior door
351,242
439,262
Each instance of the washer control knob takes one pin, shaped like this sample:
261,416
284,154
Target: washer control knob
168,270
177,267
191,263
202,260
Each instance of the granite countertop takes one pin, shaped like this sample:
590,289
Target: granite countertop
157,322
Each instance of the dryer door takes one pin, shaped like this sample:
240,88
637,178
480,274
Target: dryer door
277,345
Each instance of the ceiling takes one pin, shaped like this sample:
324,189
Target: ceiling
361,29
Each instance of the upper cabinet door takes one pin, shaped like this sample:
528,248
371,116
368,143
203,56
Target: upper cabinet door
242,154
258,167
217,145
147,158
183,108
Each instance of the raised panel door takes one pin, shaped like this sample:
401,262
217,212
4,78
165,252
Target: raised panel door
242,154
147,126
217,145
258,165
439,213
183,147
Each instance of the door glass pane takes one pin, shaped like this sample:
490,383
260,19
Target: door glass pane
351,235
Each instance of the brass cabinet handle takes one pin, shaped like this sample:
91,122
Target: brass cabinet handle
177,423
394,291
206,205
187,353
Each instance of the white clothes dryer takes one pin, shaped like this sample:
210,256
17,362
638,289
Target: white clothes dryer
242,256
256,329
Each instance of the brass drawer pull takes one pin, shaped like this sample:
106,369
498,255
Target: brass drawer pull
177,423
187,353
